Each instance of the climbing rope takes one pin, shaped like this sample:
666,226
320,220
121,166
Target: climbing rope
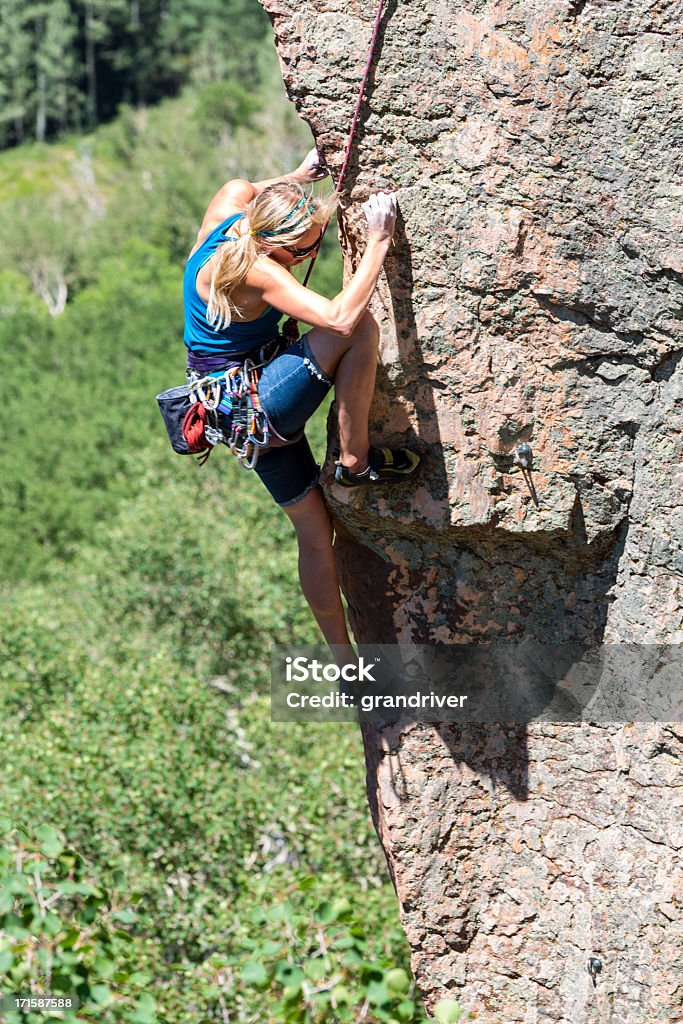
354,122
194,425
290,328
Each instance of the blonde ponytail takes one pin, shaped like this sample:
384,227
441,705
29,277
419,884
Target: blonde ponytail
279,216
233,261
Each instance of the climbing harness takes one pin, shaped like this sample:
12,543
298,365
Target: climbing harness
223,407
232,411
234,393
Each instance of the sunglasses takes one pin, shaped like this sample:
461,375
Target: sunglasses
303,252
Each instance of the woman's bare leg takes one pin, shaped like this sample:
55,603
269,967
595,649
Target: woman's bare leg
318,570
352,362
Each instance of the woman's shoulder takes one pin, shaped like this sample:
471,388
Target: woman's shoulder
211,226
234,195
230,201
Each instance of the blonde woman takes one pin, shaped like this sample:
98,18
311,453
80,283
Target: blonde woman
238,284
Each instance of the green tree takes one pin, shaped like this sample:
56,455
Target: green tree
56,66
141,57
15,69
209,40
100,20
60,58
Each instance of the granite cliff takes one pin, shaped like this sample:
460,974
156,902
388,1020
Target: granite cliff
534,295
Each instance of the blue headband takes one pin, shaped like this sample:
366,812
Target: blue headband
282,231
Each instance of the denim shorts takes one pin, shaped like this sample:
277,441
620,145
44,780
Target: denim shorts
291,388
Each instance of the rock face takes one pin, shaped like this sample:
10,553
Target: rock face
534,294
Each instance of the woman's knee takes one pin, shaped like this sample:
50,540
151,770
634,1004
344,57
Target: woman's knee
363,341
317,551
366,331
311,521
328,349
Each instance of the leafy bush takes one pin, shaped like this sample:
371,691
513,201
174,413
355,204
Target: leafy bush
306,959
295,950
222,106
67,929
88,402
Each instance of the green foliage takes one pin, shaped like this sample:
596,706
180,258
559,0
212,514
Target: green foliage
67,929
307,959
211,40
65,60
222,105
43,238
71,422
448,1011
137,679
294,950
56,97
15,80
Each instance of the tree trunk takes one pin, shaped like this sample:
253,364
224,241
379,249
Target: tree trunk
91,64
41,100
138,67
533,295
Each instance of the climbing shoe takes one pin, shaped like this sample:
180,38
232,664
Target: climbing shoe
387,466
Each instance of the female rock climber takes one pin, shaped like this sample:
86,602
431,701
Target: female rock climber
238,284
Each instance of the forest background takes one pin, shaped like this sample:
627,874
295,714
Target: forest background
166,852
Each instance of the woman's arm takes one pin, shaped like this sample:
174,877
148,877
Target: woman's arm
340,314
309,170
237,193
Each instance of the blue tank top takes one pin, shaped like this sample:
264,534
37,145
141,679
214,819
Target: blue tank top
236,338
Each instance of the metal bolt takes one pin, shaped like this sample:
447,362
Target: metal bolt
523,456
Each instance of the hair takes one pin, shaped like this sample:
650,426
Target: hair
280,215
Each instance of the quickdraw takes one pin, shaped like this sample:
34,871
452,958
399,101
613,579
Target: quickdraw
250,432
234,393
